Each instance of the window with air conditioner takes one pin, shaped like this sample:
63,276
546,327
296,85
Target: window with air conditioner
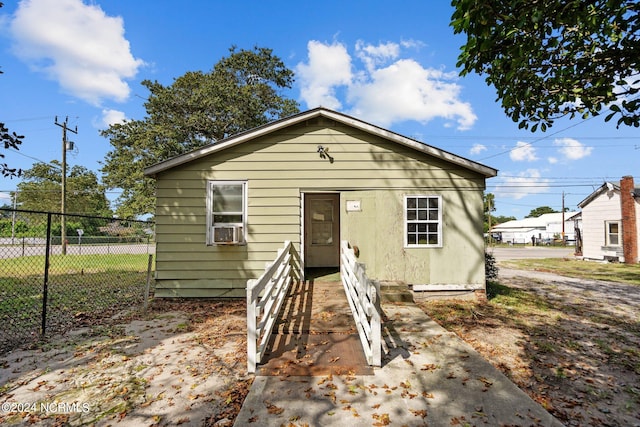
226,212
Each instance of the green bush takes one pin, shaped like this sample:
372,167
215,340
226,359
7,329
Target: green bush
490,267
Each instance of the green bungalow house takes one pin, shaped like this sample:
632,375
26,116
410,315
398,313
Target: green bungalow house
414,212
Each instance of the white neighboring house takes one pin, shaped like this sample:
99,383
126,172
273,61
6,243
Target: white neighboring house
544,228
607,230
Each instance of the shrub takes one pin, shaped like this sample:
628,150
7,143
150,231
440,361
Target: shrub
490,267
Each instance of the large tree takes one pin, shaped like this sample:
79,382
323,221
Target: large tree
41,190
552,58
242,91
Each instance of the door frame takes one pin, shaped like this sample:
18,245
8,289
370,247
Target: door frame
303,222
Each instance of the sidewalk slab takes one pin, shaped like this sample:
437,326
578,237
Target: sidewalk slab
429,377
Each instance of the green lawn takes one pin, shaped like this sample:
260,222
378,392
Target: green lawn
79,287
62,264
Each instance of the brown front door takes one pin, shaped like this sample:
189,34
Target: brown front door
322,230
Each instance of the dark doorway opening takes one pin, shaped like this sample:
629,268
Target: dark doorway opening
326,274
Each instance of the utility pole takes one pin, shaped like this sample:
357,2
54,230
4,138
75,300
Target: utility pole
13,216
489,220
563,241
63,219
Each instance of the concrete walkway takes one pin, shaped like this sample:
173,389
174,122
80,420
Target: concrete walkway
429,377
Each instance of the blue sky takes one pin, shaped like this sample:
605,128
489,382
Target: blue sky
391,64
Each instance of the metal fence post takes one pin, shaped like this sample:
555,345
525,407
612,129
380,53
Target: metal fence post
146,289
46,274
46,295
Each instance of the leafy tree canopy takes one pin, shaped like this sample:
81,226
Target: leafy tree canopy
540,211
242,91
489,203
552,58
41,190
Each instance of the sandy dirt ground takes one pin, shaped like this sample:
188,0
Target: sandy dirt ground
184,363
576,349
180,364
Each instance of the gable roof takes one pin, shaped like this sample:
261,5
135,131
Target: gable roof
607,186
311,114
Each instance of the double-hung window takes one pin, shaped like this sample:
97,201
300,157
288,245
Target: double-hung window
226,212
612,233
423,221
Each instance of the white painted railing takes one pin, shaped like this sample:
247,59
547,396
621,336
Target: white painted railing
364,299
265,296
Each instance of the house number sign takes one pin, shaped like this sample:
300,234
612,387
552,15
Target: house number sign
353,206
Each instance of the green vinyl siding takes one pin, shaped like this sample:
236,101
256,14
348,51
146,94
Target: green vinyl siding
282,165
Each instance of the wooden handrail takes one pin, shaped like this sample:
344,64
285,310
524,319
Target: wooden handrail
363,295
265,296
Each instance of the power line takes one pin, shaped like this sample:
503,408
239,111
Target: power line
537,140
30,119
34,158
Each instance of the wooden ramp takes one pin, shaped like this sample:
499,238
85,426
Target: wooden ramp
315,334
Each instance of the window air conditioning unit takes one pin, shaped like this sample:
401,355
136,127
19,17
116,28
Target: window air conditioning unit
227,234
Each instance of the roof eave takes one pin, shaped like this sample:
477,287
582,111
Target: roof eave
487,171
598,192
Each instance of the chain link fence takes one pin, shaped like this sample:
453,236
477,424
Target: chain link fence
52,281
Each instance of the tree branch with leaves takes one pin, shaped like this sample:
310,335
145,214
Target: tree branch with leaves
554,58
9,140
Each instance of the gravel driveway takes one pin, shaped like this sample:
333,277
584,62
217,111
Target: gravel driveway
591,351
612,297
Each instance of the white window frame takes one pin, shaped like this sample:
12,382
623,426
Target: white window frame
607,233
406,221
211,184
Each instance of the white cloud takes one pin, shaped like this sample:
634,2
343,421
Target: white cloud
572,149
111,117
553,160
387,89
477,149
373,56
523,184
329,67
523,152
417,44
77,45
